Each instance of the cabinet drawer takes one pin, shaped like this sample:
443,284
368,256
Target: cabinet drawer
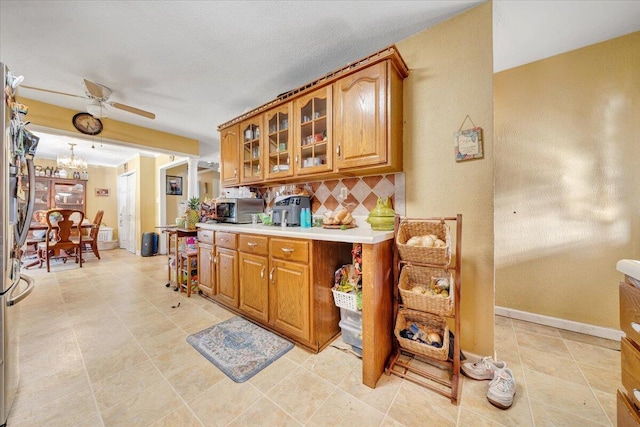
205,236
627,414
226,240
630,357
630,311
290,250
252,244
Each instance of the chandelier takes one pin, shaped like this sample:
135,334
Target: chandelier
71,161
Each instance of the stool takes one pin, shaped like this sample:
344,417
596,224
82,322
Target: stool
187,268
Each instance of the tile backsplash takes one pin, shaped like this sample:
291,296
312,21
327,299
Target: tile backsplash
362,193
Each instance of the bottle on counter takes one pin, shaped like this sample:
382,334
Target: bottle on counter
305,218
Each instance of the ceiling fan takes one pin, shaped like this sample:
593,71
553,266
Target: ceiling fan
99,97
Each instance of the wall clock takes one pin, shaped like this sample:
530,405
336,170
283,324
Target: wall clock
87,124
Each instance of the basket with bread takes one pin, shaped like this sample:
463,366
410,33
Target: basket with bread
340,218
426,242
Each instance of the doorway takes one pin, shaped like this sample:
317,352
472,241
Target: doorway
127,211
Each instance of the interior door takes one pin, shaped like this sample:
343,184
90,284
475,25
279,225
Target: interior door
127,211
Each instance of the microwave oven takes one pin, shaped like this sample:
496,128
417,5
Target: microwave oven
237,210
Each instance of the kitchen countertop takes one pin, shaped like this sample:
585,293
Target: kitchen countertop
360,234
629,267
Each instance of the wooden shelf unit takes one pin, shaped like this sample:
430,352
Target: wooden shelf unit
400,361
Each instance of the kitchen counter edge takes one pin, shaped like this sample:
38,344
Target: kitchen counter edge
353,235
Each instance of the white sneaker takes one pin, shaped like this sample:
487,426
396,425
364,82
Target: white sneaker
483,369
502,389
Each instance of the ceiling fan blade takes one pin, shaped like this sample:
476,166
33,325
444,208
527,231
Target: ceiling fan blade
94,89
132,110
51,91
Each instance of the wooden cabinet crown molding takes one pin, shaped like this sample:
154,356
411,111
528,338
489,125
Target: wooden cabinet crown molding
390,53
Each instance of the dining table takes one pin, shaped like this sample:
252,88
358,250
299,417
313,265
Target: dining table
38,226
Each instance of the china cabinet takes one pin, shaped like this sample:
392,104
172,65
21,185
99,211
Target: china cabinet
61,193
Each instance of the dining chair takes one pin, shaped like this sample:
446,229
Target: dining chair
61,225
91,239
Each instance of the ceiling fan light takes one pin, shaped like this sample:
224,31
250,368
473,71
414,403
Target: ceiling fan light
97,109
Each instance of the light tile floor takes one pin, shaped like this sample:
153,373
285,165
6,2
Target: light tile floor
104,346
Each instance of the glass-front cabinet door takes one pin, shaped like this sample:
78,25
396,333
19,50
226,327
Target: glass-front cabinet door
313,132
279,150
69,195
251,152
42,195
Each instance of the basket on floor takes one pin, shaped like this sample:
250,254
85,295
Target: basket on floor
346,300
421,254
407,317
411,276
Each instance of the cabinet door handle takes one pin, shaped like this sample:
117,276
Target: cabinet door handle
215,259
635,326
636,394
296,159
262,272
287,250
271,274
235,172
252,244
338,149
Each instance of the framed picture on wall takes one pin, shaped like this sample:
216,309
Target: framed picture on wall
174,185
102,192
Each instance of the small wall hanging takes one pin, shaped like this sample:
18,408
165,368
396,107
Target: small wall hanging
468,142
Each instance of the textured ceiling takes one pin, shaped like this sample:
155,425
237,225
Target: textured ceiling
197,64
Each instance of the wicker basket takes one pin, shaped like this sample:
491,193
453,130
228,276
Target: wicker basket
420,254
407,317
413,275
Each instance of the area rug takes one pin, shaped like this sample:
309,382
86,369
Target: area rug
239,348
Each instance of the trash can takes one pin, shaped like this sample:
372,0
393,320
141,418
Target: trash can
149,244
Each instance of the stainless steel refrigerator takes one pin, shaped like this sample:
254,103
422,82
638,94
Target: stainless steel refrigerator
16,209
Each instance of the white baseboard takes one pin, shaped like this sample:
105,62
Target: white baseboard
569,325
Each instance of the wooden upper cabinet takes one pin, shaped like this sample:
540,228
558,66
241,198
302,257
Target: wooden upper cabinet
360,118
312,132
279,148
348,122
367,119
229,140
251,135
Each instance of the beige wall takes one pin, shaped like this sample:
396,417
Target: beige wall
212,180
451,75
568,181
173,201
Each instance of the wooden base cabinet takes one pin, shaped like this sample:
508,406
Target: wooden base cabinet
254,286
289,298
226,261
629,396
283,284
206,267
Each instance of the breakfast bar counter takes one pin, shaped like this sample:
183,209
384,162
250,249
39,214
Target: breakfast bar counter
377,292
